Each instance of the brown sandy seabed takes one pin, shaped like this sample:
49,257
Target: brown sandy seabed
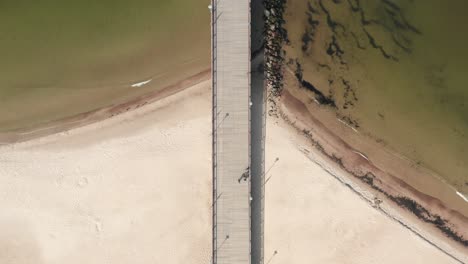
375,168
390,177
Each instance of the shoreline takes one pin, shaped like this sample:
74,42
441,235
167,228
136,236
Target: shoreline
96,193
118,168
414,190
93,116
312,152
440,225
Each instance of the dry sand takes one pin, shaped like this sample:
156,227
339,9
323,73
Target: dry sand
136,188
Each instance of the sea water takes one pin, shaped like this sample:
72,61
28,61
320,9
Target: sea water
396,70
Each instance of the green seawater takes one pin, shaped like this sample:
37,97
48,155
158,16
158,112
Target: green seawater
59,58
397,71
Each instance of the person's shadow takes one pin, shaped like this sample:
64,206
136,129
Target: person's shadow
18,244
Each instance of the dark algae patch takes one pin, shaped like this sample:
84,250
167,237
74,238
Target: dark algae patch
319,96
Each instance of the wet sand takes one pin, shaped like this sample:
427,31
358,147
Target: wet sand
136,188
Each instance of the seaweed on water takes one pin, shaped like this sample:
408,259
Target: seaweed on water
368,178
397,27
375,45
309,32
330,21
322,65
348,120
318,95
354,6
349,94
334,48
312,9
415,208
404,47
358,44
391,5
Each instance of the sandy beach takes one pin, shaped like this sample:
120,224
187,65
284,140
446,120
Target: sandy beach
136,188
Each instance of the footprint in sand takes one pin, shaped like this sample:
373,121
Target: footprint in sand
98,225
82,182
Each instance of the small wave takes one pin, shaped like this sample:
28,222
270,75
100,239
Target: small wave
462,196
360,154
348,125
141,83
